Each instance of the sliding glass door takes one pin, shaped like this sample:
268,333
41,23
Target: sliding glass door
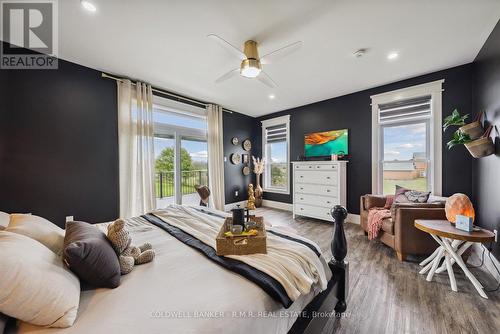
181,155
194,168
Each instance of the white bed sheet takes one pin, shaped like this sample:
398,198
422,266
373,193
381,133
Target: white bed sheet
181,291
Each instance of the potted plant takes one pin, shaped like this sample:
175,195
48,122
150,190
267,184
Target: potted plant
477,141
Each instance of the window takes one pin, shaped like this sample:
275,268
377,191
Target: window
406,135
181,153
276,151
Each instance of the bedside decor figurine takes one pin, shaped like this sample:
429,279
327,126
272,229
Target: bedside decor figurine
258,169
251,198
339,251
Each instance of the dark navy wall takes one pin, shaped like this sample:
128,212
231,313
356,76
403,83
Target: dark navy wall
353,112
59,143
242,127
486,171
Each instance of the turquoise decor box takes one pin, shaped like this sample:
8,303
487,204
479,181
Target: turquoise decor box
464,223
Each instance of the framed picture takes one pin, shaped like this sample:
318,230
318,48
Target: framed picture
245,158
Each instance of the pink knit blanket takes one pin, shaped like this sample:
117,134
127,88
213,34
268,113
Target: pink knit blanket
376,217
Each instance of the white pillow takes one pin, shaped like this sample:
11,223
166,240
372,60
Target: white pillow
4,220
38,228
35,286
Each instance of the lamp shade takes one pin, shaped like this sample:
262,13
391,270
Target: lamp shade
459,204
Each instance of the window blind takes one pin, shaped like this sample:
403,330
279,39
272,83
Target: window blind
276,133
405,110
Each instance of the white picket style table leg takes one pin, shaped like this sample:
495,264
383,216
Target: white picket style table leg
460,250
429,259
449,249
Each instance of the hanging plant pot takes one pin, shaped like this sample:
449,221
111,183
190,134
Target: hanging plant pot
474,130
483,146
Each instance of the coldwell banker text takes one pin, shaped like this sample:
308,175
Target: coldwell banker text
29,32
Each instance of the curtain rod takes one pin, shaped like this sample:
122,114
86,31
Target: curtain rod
169,95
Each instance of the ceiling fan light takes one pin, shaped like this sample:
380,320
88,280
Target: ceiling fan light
250,68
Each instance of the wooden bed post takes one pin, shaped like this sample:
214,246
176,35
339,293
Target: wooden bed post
337,264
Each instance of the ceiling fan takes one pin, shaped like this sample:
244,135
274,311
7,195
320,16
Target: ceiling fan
251,63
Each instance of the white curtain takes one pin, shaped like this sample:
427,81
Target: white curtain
136,148
215,157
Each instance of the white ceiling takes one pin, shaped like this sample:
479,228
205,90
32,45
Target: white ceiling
165,43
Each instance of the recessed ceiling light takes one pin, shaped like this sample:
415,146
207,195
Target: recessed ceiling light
88,5
392,55
271,96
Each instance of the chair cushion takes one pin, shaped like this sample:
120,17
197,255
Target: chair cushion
388,225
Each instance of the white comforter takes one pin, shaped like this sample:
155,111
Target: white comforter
292,264
181,291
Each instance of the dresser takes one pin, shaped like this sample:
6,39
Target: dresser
317,187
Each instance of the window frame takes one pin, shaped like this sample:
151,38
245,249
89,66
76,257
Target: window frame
428,140
434,133
269,123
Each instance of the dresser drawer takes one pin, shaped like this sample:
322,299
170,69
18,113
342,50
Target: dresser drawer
318,177
303,167
323,201
326,167
313,211
316,189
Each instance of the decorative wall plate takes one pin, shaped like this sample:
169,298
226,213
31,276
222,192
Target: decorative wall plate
235,158
247,145
246,170
234,141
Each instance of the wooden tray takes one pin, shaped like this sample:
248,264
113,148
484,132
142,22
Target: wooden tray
242,245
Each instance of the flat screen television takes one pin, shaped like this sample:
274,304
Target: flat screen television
326,143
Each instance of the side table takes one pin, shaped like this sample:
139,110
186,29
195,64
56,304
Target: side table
452,244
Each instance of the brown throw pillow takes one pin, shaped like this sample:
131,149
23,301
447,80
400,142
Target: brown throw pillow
404,195
89,254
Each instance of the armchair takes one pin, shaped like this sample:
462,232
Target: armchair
398,231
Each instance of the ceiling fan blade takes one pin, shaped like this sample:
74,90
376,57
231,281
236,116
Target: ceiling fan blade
228,46
280,53
266,80
227,75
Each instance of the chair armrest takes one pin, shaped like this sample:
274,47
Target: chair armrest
372,201
409,239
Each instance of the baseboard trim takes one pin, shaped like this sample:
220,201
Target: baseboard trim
353,218
477,250
277,205
229,206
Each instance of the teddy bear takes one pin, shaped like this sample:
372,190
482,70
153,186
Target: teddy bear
128,255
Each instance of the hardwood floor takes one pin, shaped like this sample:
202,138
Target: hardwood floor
389,296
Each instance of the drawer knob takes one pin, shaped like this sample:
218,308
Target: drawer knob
328,202
328,177
301,176
301,208
301,198
301,188
328,190
310,166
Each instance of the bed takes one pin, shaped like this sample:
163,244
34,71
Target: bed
183,291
